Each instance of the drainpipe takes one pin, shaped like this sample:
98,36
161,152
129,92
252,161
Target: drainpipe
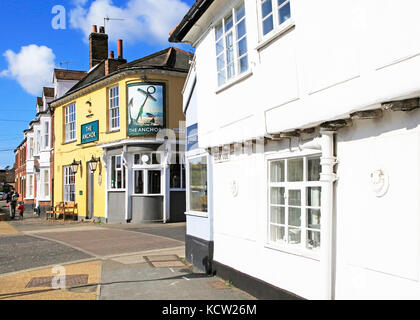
328,177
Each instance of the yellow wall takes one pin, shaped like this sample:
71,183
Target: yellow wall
65,153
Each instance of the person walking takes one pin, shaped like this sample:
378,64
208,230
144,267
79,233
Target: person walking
13,203
21,209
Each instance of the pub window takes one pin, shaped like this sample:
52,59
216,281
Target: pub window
117,173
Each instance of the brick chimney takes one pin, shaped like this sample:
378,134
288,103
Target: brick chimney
98,46
112,64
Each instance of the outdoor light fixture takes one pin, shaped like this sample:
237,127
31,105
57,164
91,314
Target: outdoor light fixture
75,165
93,163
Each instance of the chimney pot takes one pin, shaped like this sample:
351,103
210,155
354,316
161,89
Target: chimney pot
94,28
101,29
111,54
120,49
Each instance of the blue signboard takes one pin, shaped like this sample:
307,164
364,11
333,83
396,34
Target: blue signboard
192,137
90,132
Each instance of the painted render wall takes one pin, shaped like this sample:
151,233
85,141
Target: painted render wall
324,67
378,238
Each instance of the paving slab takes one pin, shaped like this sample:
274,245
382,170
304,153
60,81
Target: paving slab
38,284
108,242
7,229
20,252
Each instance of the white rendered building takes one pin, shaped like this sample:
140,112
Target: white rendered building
310,113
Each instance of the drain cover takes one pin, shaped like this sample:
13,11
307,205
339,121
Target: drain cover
164,261
71,280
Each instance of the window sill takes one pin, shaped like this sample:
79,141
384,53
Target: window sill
275,34
113,131
116,190
177,189
197,214
295,251
146,195
234,81
68,142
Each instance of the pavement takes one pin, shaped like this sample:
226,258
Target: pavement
50,260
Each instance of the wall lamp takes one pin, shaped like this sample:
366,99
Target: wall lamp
75,165
93,163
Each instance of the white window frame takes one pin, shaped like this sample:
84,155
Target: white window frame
46,138
31,185
236,58
123,171
188,187
38,141
145,171
69,122
302,185
31,148
45,184
114,108
69,180
277,27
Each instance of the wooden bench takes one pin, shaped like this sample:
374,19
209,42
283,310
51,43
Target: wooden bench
63,209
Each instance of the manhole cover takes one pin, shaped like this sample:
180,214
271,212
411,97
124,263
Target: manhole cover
71,280
164,261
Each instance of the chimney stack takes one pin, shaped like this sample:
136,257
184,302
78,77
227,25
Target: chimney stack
120,49
98,46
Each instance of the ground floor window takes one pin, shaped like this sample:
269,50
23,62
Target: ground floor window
30,186
147,181
177,176
69,185
295,202
197,184
117,173
46,183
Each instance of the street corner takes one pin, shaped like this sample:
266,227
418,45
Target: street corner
60,282
6,229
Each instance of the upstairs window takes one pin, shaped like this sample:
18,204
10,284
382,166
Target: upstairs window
231,45
70,122
273,14
114,110
46,135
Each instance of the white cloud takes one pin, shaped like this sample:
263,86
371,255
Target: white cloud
32,67
145,20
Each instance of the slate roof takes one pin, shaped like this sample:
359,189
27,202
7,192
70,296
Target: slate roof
48,92
64,74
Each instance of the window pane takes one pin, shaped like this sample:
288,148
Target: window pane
277,195
313,196
118,162
268,25
243,64
314,218
228,23
280,2
240,13
313,240
119,179
138,182
242,47
294,198
277,234
175,178
136,159
220,62
294,217
154,181
156,159
240,29
219,31
278,215
219,46
113,173
284,13
198,184
295,170
266,8
221,78
230,71
277,171
294,235
314,169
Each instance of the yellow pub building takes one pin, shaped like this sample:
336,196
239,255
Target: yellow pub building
119,136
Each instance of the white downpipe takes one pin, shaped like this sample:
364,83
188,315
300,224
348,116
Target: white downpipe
328,177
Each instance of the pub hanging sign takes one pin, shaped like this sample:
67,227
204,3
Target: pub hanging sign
90,132
145,108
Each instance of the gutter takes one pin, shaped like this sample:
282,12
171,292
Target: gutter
192,16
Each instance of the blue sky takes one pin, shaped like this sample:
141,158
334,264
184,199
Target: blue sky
27,22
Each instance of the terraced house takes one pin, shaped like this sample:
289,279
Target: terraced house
113,155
